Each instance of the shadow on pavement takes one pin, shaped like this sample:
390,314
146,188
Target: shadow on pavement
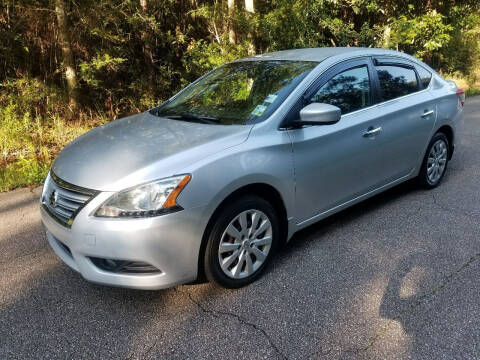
54,311
350,214
295,310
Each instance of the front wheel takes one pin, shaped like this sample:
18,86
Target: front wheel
435,162
241,243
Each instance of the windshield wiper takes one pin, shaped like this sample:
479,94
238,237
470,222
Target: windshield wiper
194,117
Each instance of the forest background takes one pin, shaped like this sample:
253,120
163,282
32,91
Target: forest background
69,65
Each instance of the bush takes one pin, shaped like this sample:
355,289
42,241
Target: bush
34,127
23,172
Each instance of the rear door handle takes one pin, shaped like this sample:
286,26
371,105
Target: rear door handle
426,113
371,131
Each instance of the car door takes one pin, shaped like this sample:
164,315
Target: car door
406,115
338,162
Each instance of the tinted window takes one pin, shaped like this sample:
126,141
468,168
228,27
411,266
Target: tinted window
238,92
396,81
348,90
425,76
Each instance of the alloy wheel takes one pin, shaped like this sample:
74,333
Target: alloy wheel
437,161
245,244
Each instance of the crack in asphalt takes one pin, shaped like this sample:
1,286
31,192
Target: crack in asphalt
437,290
324,352
451,207
219,314
147,352
319,352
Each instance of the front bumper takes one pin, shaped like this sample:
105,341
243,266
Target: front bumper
170,243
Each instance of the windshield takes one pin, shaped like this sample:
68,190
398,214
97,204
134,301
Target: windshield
237,93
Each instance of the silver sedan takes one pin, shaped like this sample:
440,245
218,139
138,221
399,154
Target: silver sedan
214,180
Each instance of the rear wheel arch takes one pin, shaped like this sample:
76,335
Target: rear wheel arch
262,190
435,162
448,131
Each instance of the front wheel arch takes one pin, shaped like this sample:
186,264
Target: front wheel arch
262,190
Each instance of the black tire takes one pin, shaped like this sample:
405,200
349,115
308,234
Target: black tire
213,269
423,178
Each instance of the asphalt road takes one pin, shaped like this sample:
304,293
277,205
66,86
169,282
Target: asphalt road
394,277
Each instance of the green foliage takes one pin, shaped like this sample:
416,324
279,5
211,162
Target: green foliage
23,172
203,56
473,92
130,58
22,103
461,53
33,129
289,25
420,35
101,67
30,95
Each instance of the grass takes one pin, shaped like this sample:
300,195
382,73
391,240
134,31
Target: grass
23,172
27,148
35,124
470,85
473,91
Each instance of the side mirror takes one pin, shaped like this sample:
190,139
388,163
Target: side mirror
319,114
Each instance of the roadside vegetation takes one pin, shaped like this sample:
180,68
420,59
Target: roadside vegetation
67,66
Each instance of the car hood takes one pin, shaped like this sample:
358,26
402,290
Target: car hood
141,148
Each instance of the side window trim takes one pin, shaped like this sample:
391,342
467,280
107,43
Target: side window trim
324,77
333,71
396,61
392,62
399,63
374,82
419,80
417,67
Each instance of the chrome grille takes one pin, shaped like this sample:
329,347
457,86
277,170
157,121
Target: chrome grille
63,200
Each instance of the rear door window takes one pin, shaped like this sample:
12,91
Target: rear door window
396,81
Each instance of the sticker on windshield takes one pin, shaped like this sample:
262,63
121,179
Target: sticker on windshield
259,110
270,98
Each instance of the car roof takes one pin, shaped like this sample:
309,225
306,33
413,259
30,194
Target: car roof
320,54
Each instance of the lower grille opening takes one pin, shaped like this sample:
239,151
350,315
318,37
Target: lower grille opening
124,266
64,248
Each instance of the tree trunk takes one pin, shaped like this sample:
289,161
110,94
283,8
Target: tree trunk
249,6
146,40
250,10
386,36
67,54
232,37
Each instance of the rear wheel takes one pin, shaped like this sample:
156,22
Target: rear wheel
241,242
435,162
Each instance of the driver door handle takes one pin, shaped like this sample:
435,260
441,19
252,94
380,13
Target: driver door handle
371,131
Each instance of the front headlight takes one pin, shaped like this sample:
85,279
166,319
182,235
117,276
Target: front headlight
152,199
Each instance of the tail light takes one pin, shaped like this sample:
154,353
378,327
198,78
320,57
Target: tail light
461,96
